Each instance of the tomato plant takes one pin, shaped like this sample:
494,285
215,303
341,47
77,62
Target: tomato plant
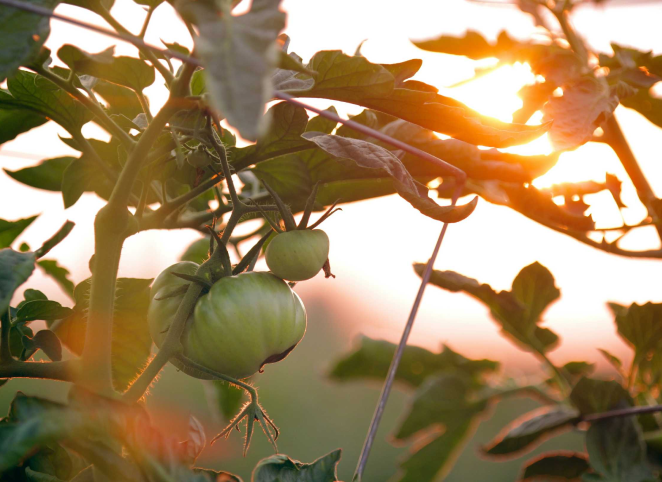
183,167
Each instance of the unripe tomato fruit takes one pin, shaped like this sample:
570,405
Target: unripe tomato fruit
241,324
298,255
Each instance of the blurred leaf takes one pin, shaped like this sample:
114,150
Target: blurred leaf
593,396
120,99
612,359
372,359
59,274
175,47
131,344
472,45
228,398
196,441
647,105
15,269
46,175
31,92
47,341
355,80
522,433
10,230
83,175
21,35
47,310
128,72
564,466
585,105
216,476
239,53
534,97
518,311
281,467
367,155
579,368
15,121
639,325
617,452
198,251
434,460
442,399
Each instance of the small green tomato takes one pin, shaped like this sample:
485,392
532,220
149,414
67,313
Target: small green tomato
298,255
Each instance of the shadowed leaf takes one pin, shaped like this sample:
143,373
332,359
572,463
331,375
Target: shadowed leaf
565,466
281,467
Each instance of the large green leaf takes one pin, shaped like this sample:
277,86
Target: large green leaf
10,230
592,396
280,467
128,72
517,311
15,269
529,429
287,123
355,80
21,35
131,344
584,106
239,54
16,121
555,465
83,175
47,310
617,452
372,358
31,92
373,157
46,175
120,99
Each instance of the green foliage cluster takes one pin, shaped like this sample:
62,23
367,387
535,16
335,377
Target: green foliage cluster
174,169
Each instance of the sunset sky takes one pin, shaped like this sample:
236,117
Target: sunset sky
374,243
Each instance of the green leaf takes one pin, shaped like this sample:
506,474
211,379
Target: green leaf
59,274
435,459
83,175
367,155
120,99
281,467
15,269
31,92
10,230
47,310
217,476
612,359
228,398
441,400
593,396
640,326
48,342
21,35
14,122
322,124
131,344
531,428
355,80
198,251
46,175
472,45
518,311
128,72
239,53
550,466
372,359
585,105
617,452
288,122
579,368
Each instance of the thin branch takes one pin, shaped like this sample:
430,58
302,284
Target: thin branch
104,120
147,51
148,17
624,412
63,370
5,352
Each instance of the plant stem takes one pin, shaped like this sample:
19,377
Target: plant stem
5,352
170,346
103,118
624,412
62,370
388,383
615,138
562,380
145,105
147,52
148,17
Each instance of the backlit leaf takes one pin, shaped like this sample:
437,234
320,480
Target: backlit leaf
10,230
15,269
566,466
592,396
46,175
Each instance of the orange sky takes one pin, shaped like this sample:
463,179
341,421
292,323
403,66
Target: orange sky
375,242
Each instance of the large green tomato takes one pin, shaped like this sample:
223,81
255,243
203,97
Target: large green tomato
241,324
298,255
